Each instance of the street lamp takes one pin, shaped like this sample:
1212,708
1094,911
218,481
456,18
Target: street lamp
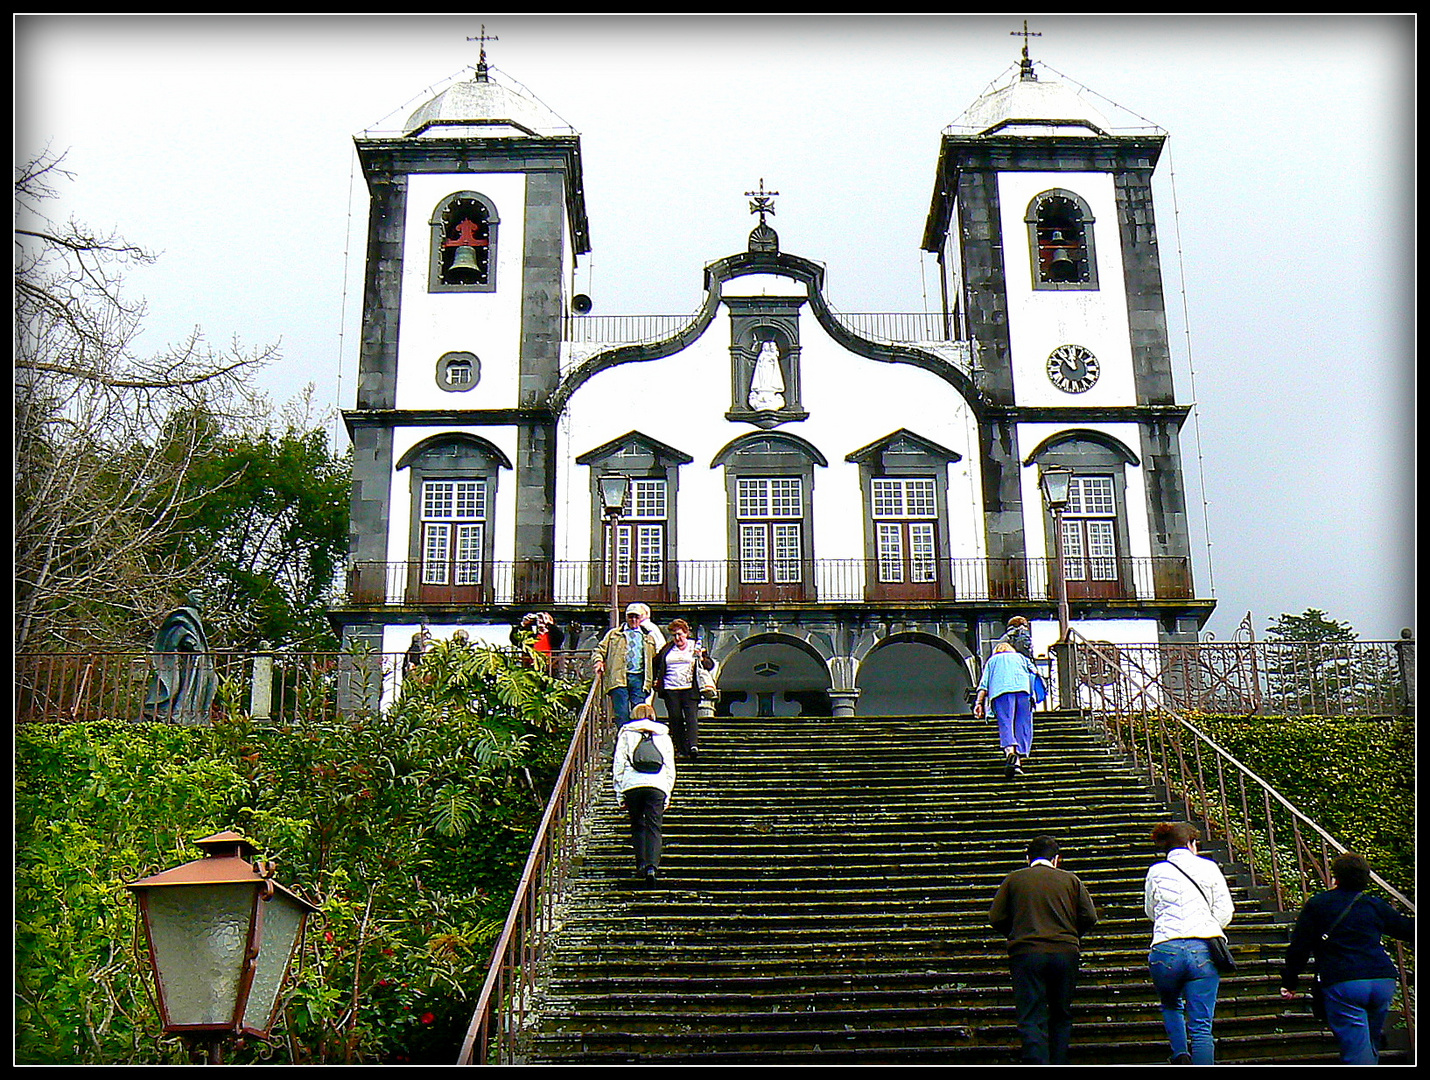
614,487
1055,482
221,935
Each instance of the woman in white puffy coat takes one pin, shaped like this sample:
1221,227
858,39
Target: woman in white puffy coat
1188,901
644,794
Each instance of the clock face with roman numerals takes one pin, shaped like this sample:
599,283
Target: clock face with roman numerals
1073,369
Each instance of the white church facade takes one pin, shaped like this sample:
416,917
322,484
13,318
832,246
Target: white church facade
847,509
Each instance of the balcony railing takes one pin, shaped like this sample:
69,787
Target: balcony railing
889,326
772,583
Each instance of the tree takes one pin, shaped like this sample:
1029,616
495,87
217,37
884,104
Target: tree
1312,626
104,438
1317,666
267,516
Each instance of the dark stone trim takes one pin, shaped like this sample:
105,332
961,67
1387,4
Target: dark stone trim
800,452
382,292
455,438
366,418
1107,442
369,510
657,449
1142,272
875,450
1100,414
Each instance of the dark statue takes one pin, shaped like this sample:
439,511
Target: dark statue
182,688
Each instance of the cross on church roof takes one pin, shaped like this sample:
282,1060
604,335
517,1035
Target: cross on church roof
764,201
484,37
1025,67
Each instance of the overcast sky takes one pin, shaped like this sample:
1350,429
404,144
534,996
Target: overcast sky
224,145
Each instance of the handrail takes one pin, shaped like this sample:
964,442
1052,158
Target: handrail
1193,787
536,894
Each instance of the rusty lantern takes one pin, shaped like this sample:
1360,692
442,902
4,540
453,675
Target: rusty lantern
221,934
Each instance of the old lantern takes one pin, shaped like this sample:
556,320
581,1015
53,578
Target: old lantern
221,935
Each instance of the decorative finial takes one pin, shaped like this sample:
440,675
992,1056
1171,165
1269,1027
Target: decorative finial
762,237
1025,67
483,38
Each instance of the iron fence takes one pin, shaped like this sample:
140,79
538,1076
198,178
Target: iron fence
507,999
767,581
292,687
1345,678
1138,706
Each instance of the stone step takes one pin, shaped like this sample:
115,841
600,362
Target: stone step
824,894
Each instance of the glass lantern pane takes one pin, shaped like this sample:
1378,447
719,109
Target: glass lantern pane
199,934
282,920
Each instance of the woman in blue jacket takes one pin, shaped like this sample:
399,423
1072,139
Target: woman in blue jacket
1008,683
1342,928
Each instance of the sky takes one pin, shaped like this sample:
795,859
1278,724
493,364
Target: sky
1285,203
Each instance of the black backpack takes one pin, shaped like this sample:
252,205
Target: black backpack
646,757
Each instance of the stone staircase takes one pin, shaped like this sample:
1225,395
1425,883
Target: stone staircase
824,897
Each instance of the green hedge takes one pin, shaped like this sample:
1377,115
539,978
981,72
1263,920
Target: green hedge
410,828
1355,777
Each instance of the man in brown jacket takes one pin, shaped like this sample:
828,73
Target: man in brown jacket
1044,912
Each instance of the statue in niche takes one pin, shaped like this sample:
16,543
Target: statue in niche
767,387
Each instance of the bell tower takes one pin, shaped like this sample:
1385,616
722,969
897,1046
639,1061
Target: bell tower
1042,221
477,216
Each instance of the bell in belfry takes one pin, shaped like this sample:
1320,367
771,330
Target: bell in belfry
465,258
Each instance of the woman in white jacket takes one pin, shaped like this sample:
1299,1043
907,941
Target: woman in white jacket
1188,901
645,791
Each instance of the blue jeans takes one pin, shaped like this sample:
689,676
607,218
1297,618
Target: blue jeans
625,698
1187,981
1356,1012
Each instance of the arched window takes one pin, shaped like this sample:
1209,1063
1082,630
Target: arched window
464,244
453,486
1060,239
769,488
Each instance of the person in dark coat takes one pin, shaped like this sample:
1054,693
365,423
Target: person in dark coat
1342,929
1044,911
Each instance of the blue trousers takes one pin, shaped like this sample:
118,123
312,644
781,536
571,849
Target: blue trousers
1187,982
1356,1011
1015,720
625,698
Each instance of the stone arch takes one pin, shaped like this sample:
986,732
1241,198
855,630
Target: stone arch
915,673
774,674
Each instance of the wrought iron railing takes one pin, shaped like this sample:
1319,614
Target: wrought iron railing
769,582
1343,678
889,326
508,997
294,687
1141,715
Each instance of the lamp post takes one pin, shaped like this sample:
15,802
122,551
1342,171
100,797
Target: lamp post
222,933
614,487
1055,482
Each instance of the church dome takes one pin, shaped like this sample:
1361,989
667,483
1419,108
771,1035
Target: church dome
1030,106
484,107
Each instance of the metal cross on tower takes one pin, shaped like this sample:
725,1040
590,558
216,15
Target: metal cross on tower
1025,67
483,37
763,201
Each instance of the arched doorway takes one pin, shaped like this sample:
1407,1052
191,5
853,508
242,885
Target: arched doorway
914,676
774,676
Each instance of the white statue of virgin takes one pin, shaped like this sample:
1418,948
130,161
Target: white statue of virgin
767,387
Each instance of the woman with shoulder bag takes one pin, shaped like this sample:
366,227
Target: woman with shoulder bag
677,667
1343,928
1188,901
